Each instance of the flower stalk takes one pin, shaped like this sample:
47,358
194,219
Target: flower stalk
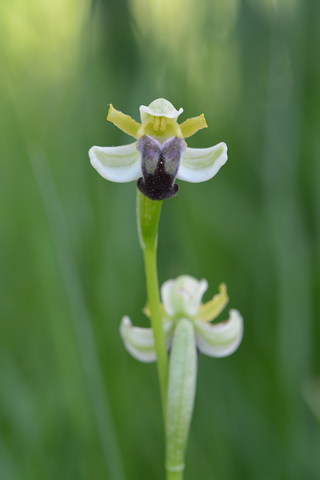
148,215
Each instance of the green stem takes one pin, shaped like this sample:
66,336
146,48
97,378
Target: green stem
157,323
148,215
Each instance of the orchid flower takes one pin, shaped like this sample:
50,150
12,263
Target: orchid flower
182,301
160,154
187,328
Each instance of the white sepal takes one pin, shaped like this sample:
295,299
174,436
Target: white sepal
201,164
140,341
181,392
219,339
182,296
117,164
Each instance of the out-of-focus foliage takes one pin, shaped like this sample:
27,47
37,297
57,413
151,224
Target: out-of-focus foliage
73,403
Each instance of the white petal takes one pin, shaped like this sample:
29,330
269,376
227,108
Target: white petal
159,108
201,164
182,297
219,339
140,341
117,164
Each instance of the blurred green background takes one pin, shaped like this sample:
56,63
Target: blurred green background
73,403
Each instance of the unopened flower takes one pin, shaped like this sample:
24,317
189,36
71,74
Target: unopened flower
160,154
182,301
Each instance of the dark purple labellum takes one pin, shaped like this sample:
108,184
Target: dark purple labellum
160,164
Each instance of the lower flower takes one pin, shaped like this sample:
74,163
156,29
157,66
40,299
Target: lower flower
182,300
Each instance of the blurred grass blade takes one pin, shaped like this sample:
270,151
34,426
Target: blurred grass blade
311,394
80,316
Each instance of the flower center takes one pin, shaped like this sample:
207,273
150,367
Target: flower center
159,122
160,127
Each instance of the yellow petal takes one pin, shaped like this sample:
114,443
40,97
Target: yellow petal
123,121
210,310
192,125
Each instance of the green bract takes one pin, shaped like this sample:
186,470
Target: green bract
182,300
